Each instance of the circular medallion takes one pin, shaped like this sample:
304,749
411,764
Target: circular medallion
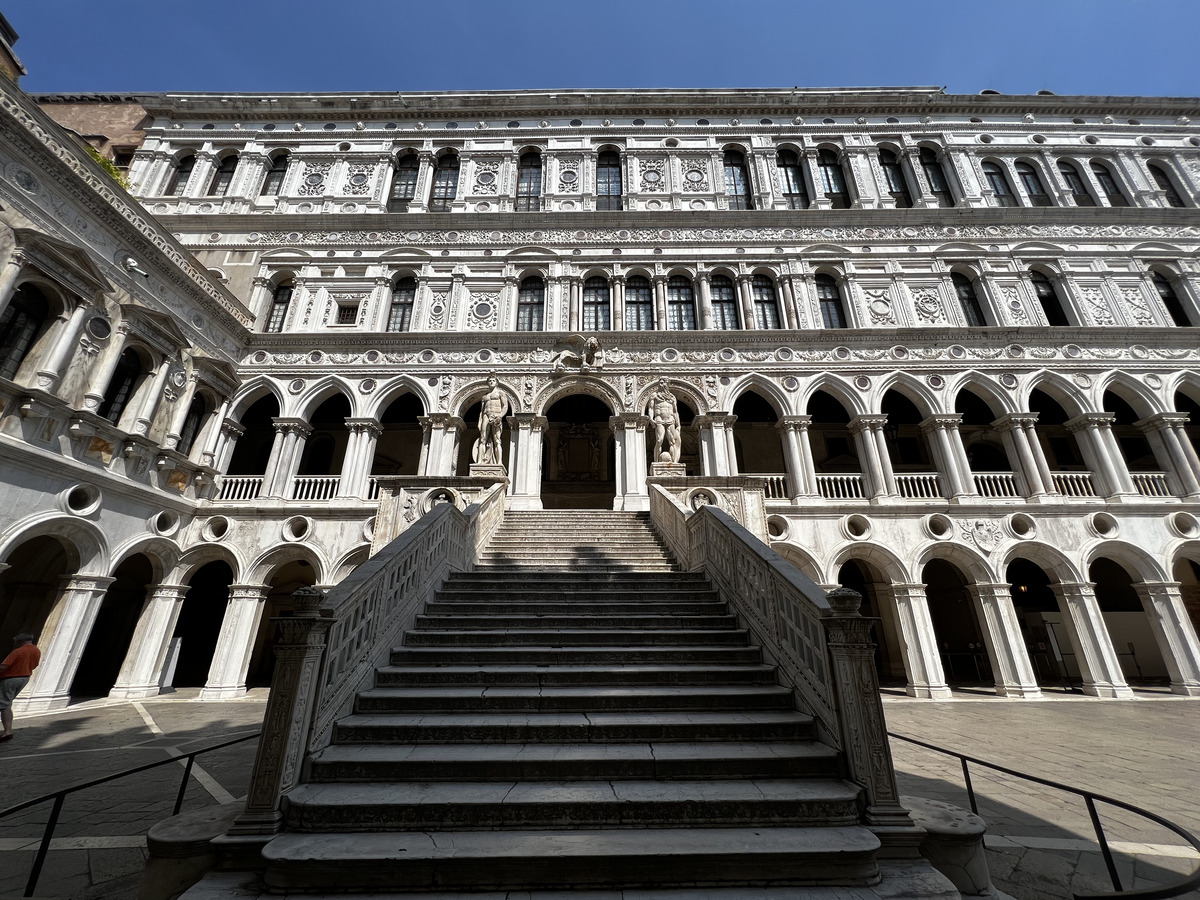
314,179
652,176
569,176
99,327
358,178
486,177
483,310
296,386
695,176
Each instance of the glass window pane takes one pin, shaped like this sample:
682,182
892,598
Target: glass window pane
596,304
766,307
639,305
529,183
724,304
737,185
832,312
968,300
1164,184
445,184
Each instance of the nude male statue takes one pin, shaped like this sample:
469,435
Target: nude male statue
664,413
488,450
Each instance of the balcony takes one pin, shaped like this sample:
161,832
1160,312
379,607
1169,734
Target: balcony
841,487
1151,484
919,486
997,485
315,487
1074,484
240,487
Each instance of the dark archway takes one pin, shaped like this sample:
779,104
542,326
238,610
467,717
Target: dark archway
1187,404
113,630
907,444
873,585
578,455
199,623
1047,639
1059,446
1135,449
470,434
832,444
398,449
283,583
757,441
253,448
1187,572
1127,623
956,625
31,586
982,442
325,448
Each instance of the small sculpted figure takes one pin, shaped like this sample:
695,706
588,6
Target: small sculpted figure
664,413
488,449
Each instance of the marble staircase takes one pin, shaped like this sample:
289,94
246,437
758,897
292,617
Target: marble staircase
575,714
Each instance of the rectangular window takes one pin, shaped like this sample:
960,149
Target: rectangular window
347,313
639,305
400,316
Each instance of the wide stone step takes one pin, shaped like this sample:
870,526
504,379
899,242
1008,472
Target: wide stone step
548,581
572,762
632,697
573,727
577,637
569,561
526,860
395,676
469,603
400,806
503,620
567,656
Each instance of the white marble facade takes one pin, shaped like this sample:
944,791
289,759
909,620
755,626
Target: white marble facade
953,338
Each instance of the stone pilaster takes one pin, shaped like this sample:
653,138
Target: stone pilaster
1098,663
918,642
231,658
1173,631
1009,657
142,669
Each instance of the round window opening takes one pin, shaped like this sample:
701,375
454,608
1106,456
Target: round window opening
83,499
216,528
358,178
652,176
99,327
483,310
314,179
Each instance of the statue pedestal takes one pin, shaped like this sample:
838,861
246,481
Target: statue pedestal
665,468
488,469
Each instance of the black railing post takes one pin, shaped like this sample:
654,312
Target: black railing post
970,787
1104,848
187,771
47,835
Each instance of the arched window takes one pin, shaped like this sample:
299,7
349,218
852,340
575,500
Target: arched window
273,183
999,185
529,182
280,301
936,176
404,298
1166,293
1075,184
180,177
766,307
833,180
223,176
191,425
792,179
724,304
531,304
681,304
1033,184
20,326
833,314
893,174
596,310
124,381
404,183
1048,298
1108,184
1163,180
445,183
639,304
737,184
608,180
968,299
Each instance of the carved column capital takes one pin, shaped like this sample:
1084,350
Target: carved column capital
1090,420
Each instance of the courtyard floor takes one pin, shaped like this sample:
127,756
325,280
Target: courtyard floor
1040,842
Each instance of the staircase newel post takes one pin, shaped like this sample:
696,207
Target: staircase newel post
290,707
863,737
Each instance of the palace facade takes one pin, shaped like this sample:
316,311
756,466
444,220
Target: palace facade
942,349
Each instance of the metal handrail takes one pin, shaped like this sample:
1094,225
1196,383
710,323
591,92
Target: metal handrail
1090,798
59,796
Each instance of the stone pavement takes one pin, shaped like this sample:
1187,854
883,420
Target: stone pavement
100,842
1040,842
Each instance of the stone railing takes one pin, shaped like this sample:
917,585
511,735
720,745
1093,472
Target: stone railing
820,643
919,486
1151,484
841,487
996,484
333,643
1073,484
240,487
315,487
404,499
775,487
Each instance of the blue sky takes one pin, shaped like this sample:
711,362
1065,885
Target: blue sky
1146,47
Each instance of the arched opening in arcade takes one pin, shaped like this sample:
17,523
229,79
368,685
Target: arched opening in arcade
965,659
283,583
835,456
908,447
199,623
756,438
253,448
112,632
1059,446
984,446
324,451
578,455
32,584
875,586
398,448
1135,448
1189,402
1047,639
1128,624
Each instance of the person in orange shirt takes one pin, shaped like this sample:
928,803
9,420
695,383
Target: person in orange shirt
14,675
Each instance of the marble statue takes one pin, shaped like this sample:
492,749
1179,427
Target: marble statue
488,449
664,413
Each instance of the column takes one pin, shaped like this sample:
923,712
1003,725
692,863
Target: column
62,640
230,433
290,435
153,394
629,430
706,315
49,372
525,460
802,480
239,628
618,303
142,669
1019,434
182,403
438,444
925,198
747,302
713,456
787,298
216,436
809,161
1011,666
949,454
1093,431
1098,663
105,366
660,302
360,454
573,315
872,450
1173,631
918,643
8,277
731,446
1166,433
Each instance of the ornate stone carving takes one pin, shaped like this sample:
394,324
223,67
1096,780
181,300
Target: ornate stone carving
359,179
487,176
484,310
1097,305
653,174
927,304
584,354
984,533
663,410
879,307
1135,300
313,182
